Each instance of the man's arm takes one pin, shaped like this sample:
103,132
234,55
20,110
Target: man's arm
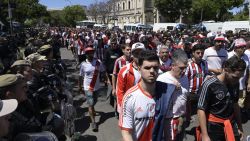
238,119
215,71
203,124
127,135
113,84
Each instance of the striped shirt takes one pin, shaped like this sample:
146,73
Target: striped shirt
119,63
196,74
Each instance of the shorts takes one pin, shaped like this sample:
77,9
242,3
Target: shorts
174,128
91,97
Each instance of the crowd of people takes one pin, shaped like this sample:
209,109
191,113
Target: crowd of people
159,80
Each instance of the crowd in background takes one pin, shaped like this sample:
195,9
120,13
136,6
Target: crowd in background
158,81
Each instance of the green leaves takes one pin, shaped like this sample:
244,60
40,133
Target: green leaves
73,13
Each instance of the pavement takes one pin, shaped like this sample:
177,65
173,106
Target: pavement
108,129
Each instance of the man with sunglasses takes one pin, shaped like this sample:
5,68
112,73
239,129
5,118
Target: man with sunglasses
174,110
216,55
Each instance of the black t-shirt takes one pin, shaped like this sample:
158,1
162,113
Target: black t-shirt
109,58
217,98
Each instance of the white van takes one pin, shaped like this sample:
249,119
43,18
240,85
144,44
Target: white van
167,26
235,26
130,27
213,26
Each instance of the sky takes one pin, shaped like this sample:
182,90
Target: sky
57,4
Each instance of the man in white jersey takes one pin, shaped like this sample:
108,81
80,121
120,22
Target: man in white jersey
216,55
138,104
89,81
175,116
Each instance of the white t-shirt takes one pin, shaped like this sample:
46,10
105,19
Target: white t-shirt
87,70
138,110
214,58
242,80
179,98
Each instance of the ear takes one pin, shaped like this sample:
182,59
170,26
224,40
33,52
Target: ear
9,95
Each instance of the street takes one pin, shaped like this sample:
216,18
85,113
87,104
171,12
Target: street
106,120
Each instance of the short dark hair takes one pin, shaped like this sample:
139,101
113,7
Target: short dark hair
198,47
235,64
123,46
147,55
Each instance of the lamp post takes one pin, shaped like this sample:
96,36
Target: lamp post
10,17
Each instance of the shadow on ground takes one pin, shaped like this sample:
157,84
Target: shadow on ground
88,138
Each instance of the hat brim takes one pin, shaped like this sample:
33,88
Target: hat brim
138,48
42,58
9,106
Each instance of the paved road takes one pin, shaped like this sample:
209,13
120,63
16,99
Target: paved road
108,129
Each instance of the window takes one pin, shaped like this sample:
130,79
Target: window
123,6
128,4
118,7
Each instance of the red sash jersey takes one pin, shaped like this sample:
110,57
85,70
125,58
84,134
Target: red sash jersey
127,78
138,110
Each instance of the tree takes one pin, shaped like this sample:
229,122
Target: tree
73,13
173,9
22,10
242,15
213,9
93,11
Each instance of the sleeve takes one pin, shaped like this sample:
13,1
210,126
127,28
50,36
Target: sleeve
102,67
205,55
126,119
205,93
116,67
120,87
81,73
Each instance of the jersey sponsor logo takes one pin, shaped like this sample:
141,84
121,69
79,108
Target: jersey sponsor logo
220,95
139,110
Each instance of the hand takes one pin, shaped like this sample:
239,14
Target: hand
241,134
113,92
248,88
205,138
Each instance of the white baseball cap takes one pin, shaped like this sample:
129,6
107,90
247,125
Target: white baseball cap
7,106
137,45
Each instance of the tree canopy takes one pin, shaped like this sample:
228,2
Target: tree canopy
197,9
74,13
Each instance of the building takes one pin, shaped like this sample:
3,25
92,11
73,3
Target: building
135,11
131,11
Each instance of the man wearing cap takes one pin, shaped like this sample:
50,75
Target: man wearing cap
22,67
24,119
129,75
244,82
216,55
89,82
6,108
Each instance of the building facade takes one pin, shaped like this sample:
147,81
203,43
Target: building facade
131,11
135,11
